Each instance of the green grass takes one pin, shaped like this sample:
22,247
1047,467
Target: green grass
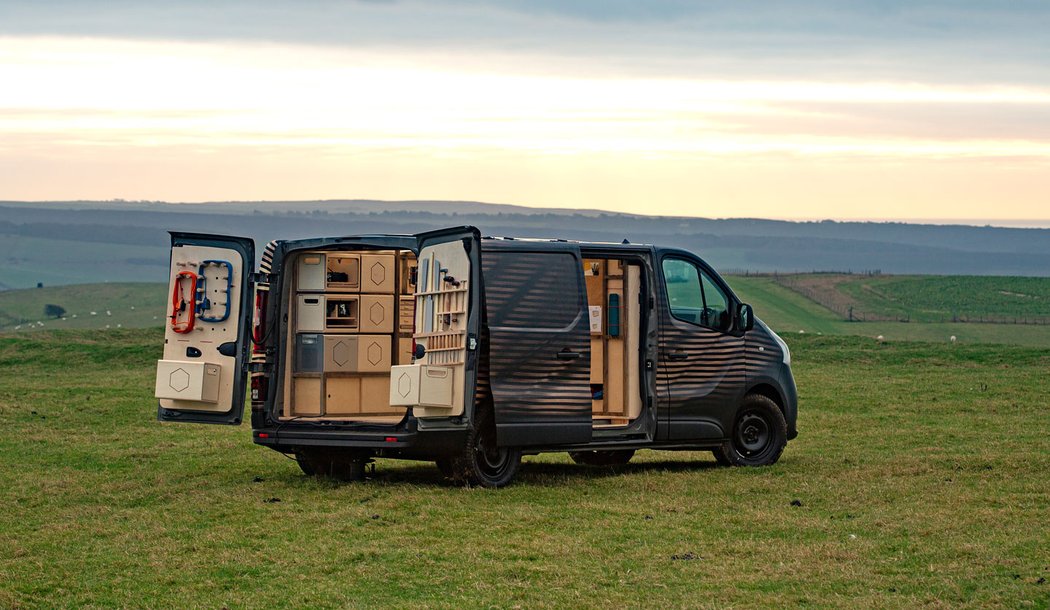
130,305
939,298
29,260
921,470
788,312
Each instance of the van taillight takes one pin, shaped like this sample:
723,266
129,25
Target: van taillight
259,386
259,321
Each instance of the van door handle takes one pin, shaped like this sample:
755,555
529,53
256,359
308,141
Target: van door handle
679,355
567,354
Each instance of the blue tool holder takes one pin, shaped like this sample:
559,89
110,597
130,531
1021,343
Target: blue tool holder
203,303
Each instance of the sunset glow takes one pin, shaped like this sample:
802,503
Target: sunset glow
192,121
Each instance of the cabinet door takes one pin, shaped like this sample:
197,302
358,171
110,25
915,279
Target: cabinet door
203,375
538,344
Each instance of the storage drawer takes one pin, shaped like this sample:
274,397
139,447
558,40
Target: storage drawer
342,395
421,385
377,273
309,313
377,313
181,380
406,314
357,353
306,396
310,272
309,352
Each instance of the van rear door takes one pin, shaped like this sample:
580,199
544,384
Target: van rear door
202,376
538,343
448,317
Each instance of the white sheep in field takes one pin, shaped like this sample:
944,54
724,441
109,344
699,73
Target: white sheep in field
952,339
880,338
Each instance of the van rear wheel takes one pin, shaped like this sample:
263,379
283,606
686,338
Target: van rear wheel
611,457
759,434
482,461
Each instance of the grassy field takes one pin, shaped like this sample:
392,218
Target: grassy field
920,473
787,311
924,298
129,305
28,260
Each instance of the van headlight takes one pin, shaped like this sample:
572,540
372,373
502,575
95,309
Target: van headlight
783,346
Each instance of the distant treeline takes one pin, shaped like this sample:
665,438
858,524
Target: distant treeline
754,244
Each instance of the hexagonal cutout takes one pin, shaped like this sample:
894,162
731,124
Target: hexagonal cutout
377,273
341,353
374,353
376,313
404,385
179,380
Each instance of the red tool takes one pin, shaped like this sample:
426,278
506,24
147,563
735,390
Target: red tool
184,302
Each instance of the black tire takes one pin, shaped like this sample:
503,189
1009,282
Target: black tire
759,434
482,462
334,466
612,457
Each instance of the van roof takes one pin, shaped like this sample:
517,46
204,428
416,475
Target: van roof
625,244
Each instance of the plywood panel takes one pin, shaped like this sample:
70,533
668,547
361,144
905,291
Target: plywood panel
306,396
632,316
375,395
342,395
377,313
377,273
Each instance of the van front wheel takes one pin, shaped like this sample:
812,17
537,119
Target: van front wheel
483,462
759,434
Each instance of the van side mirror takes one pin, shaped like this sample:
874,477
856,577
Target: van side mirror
745,317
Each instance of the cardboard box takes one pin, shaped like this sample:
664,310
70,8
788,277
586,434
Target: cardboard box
181,380
421,385
306,396
377,273
357,353
377,313
310,272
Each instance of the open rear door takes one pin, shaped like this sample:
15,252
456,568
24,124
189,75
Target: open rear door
447,317
202,376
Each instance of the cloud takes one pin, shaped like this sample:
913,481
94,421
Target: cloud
930,41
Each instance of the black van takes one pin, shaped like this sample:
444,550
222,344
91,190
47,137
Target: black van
469,352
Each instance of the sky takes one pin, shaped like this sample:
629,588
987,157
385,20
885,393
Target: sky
886,109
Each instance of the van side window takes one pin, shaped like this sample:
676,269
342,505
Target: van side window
716,305
693,296
684,294
532,290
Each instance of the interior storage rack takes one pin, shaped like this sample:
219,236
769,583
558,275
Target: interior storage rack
353,320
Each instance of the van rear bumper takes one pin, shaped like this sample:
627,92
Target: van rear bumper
400,441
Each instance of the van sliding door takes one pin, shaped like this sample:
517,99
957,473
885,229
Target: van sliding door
539,343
